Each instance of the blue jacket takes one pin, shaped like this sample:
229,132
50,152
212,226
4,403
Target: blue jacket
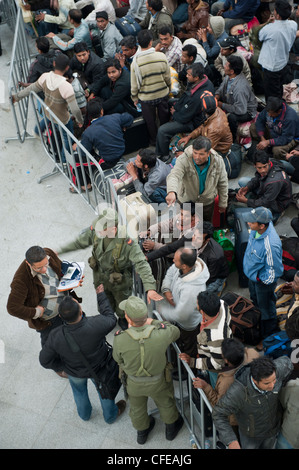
106,136
263,257
283,129
244,9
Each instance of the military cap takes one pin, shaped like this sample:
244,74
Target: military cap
134,307
107,218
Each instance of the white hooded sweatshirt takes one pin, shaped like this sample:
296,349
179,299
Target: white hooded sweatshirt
185,290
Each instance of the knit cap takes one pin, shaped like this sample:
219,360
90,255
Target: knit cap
217,24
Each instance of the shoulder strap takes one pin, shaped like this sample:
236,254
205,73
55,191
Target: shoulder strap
74,347
140,336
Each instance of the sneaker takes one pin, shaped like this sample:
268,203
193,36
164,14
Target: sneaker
142,435
173,429
121,405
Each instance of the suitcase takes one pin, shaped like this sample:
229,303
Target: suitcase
241,230
138,212
136,136
127,26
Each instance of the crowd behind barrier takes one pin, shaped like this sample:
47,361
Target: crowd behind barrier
69,157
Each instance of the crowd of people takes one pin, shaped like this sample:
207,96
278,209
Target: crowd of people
92,76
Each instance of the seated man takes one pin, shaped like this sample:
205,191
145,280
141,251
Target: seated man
277,128
215,127
171,46
167,231
104,138
149,175
207,249
187,112
215,327
228,48
89,67
43,61
270,187
235,95
59,22
110,36
212,254
114,88
198,14
80,33
234,12
128,46
190,56
182,283
210,37
156,16
199,175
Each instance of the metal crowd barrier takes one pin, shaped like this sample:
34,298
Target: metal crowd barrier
58,143
8,12
19,70
194,412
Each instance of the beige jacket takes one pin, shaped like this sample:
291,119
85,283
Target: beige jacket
183,180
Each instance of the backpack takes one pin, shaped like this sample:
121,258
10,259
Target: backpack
245,318
233,161
278,344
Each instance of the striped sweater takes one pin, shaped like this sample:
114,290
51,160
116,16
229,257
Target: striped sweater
209,341
150,76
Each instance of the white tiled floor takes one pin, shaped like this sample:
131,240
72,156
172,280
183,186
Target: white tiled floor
36,406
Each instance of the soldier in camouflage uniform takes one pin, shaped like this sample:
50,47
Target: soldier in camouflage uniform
140,352
113,254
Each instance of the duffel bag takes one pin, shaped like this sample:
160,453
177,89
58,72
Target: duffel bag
245,318
278,344
233,161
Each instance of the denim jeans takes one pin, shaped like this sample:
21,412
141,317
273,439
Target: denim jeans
264,298
80,392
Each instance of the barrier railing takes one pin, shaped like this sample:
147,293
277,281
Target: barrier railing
196,413
69,156
19,70
8,11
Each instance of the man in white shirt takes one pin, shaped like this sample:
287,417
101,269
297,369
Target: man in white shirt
277,39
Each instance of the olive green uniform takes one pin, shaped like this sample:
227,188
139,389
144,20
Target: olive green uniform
145,366
112,261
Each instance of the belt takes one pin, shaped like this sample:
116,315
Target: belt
152,378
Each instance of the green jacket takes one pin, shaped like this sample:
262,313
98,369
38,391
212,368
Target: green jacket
121,254
127,351
183,180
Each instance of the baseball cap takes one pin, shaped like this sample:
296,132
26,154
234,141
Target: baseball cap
261,215
134,307
229,43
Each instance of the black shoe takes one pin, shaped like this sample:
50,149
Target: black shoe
123,323
173,429
142,435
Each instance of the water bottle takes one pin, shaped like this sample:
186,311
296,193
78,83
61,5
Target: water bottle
138,107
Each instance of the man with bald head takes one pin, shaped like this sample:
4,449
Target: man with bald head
182,283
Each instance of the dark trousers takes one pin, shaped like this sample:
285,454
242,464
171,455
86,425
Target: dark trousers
150,112
295,225
264,298
273,82
165,134
235,119
54,323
